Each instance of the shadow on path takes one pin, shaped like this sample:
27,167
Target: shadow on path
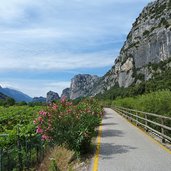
111,123
107,117
108,149
112,133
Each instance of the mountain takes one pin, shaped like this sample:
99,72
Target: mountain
66,93
6,101
52,96
82,84
147,44
15,94
3,97
39,99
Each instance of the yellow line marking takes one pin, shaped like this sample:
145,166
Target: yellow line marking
149,137
96,158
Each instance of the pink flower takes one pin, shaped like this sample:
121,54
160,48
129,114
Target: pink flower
43,113
54,107
69,103
40,119
69,110
45,137
63,99
40,112
39,130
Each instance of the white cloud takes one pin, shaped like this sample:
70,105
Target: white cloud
58,62
35,33
61,35
5,84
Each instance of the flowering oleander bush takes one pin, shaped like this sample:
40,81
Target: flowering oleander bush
72,125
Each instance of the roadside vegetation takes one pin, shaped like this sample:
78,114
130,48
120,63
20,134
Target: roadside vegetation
156,102
152,96
62,123
161,80
30,133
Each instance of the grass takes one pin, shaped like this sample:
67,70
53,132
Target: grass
58,159
61,159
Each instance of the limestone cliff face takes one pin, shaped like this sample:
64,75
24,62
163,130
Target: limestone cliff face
52,96
66,93
82,84
149,41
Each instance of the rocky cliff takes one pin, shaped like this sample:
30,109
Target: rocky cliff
66,93
148,42
82,84
39,99
52,96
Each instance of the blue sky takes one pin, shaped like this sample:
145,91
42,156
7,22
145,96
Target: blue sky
44,43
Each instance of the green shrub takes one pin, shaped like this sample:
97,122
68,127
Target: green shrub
160,8
169,4
72,125
53,166
156,102
161,80
164,22
146,33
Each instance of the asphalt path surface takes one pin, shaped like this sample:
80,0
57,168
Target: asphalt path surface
123,147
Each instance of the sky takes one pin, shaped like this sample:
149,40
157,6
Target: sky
44,43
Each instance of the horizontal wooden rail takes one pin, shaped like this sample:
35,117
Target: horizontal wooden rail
150,114
142,118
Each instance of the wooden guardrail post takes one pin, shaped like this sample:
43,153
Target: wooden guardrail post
136,119
131,118
162,130
146,123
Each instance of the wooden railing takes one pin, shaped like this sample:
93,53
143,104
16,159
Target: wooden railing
158,124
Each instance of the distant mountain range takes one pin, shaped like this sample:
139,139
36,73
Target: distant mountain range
3,96
18,96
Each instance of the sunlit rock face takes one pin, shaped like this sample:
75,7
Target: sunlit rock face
82,85
52,96
66,93
148,42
